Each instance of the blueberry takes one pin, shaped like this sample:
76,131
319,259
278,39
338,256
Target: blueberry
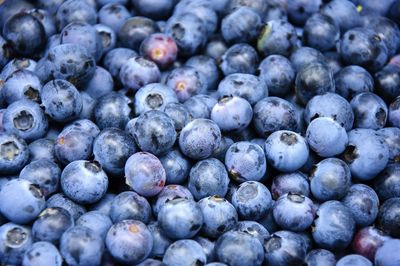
100,84
145,174
112,110
286,150
366,154
5,52
294,212
81,246
239,248
96,221
111,148
15,240
22,29
321,32
137,72
388,217
69,61
219,215
388,253
277,37
176,167
150,262
169,193
161,241
134,30
252,200
343,12
42,253
284,248
14,153
354,259
363,202
215,47
367,240
334,226
113,15
253,228
223,147
352,80
180,218
388,81
330,179
44,173
21,84
207,178
208,247
386,183
304,56
21,201
181,26
159,48
62,201
88,105
326,137
330,105
75,10
17,64
241,25
363,47
61,100
394,112
204,12
278,73
116,58
299,11
200,106
104,205
295,182
245,161
85,35
370,111
184,252
84,181
388,31
178,113
320,257
55,218
108,37
130,205
272,114
239,58
26,119
199,138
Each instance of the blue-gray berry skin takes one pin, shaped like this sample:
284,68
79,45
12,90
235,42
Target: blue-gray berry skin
15,240
219,216
105,114
208,178
115,58
238,248
59,219
321,32
168,193
272,114
199,138
278,74
184,252
100,84
129,241
145,174
208,246
330,179
304,56
253,228
388,217
153,96
284,248
22,84
252,200
245,161
180,218
62,201
320,257
334,226
160,241
295,182
44,173
239,58
366,154
21,201
391,135
388,253
354,260
154,132
386,184
137,72
176,166
130,205
352,80
286,151
42,253
80,245
111,148
84,182
370,111
14,153
96,221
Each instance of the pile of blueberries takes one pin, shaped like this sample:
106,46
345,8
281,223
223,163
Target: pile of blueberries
200,132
